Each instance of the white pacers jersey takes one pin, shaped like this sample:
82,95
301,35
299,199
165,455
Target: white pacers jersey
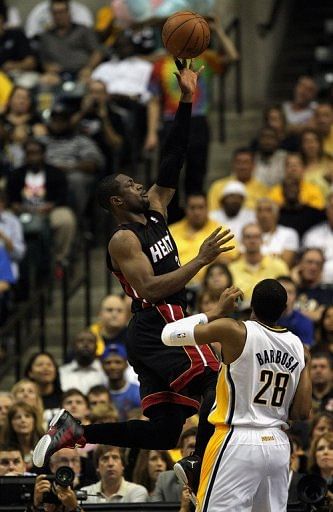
258,388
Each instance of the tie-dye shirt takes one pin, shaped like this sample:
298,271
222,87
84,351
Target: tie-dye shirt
164,83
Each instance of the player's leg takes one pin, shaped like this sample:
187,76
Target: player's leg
161,431
272,493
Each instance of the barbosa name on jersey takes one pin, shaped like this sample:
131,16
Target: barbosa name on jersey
161,248
278,357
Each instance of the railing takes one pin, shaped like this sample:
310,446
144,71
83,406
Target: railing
28,325
233,29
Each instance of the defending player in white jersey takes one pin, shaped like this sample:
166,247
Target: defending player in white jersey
263,381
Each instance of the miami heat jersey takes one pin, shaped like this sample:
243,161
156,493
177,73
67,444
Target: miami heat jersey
161,250
257,389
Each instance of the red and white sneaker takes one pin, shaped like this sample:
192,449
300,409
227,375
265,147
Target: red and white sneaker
64,432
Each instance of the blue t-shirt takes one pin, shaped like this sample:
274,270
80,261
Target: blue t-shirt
126,399
300,325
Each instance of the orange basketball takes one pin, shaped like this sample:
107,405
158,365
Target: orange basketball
185,34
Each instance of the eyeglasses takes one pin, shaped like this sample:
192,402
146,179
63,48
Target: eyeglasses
6,461
66,461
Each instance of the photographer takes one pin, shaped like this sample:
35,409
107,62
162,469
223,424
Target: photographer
65,495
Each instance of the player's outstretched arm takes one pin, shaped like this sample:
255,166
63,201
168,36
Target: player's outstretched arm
301,406
205,328
126,253
174,149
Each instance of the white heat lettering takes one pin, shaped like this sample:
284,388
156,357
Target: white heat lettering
161,249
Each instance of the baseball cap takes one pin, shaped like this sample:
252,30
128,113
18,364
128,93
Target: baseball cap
114,349
234,187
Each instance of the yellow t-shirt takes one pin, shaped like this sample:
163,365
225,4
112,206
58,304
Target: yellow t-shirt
254,191
309,194
246,276
328,143
6,87
189,242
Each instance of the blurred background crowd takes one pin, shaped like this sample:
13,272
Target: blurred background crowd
84,94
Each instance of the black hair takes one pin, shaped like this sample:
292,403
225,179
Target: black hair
269,300
224,269
36,142
196,193
243,149
98,390
3,10
107,187
189,432
322,355
33,357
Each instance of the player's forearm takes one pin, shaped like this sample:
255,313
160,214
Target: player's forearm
174,149
159,287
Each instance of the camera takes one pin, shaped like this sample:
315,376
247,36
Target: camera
64,476
312,492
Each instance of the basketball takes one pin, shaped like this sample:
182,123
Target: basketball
186,34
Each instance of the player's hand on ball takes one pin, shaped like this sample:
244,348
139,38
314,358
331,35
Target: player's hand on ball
187,76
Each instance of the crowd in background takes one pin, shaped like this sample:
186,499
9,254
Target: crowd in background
80,99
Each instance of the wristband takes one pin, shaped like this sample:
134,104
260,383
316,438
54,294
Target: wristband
181,332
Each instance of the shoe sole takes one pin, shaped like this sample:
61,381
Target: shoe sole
43,444
181,475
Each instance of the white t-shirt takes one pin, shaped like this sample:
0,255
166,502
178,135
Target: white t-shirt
128,77
321,236
283,239
235,224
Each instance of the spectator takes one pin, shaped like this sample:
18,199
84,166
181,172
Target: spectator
190,232
168,487
26,390
269,160
16,54
98,119
321,376
104,413
217,278
43,369
112,321
65,495
232,212
325,330
39,18
41,190
165,101
125,395
77,404
106,25
299,112
321,236
68,47
242,170
98,395
13,15
76,155
6,401
275,118
84,371
7,279
293,212
149,465
112,487
253,266
321,458
11,235
293,319
310,194
24,428
318,166
11,460
312,294
69,458
294,475
324,125
322,423
277,240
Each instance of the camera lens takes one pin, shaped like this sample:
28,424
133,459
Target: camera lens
64,476
311,489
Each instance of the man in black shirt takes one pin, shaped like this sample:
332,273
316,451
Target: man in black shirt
144,257
15,51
